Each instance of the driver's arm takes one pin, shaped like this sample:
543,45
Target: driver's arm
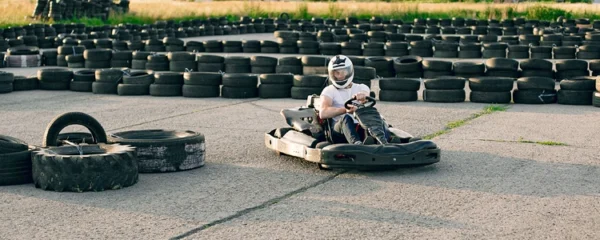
328,111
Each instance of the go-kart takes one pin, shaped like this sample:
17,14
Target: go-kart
384,147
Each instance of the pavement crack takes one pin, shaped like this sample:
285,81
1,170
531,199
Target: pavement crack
456,124
182,114
263,107
258,207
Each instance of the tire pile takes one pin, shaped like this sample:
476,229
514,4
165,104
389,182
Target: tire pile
95,161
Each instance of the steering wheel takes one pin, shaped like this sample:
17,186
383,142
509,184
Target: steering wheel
370,102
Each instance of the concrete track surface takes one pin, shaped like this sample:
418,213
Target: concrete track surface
490,184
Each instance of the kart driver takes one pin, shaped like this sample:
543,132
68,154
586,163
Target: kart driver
333,97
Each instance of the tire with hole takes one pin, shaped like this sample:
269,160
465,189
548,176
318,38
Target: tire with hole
95,167
72,118
159,150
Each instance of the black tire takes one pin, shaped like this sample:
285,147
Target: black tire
15,167
292,69
168,78
10,145
400,84
54,86
536,64
503,73
572,64
6,88
84,75
437,65
276,78
310,81
165,90
571,74
491,84
75,137
445,83
435,74
211,67
112,75
97,55
274,90
571,97
104,87
534,96
538,73
444,96
125,89
502,64
202,78
469,68
398,96
54,75
164,150
183,66
527,83
72,118
596,99
240,80
307,70
234,92
99,167
201,91
408,64
80,86
490,97
25,83
579,84
304,92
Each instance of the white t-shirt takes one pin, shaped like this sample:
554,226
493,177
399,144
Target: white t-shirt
340,96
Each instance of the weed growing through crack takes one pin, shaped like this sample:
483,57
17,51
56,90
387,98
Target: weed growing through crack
455,124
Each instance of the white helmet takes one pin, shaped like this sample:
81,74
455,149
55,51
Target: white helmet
341,71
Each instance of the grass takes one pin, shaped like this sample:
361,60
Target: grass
522,140
149,11
456,124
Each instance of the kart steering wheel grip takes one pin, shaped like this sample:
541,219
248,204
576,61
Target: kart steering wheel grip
369,100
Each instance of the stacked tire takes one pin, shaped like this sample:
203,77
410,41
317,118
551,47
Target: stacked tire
566,69
157,62
436,68
237,64
54,78
364,75
276,85
468,69
291,65
399,89
139,60
491,89
83,80
97,58
63,52
577,91
383,67
121,59
201,84
535,90
396,49
262,64
107,81
445,89
167,84
502,67
239,85
408,67
312,65
537,68
306,85
136,83
22,83
596,98
210,63
182,62
6,82
15,161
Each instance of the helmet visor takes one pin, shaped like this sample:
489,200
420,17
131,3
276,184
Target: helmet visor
341,75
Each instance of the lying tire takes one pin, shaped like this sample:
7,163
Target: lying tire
202,78
240,80
408,64
274,90
104,87
165,90
400,84
10,144
54,75
276,78
168,78
125,89
84,75
85,167
490,97
491,84
25,83
398,96
80,86
72,118
164,150
201,91
444,95
15,167
235,92
310,81
139,77
580,84
543,83
534,96
572,97
447,83
501,64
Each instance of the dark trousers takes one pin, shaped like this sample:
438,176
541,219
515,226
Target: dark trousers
345,128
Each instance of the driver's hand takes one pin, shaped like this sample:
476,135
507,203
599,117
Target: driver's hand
361,97
352,109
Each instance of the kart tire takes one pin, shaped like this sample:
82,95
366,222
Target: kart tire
235,92
400,84
572,97
398,96
289,61
310,81
314,61
491,84
99,167
72,118
444,95
164,150
543,83
202,78
534,96
124,89
165,90
447,83
490,97
274,90
308,70
201,91
304,92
